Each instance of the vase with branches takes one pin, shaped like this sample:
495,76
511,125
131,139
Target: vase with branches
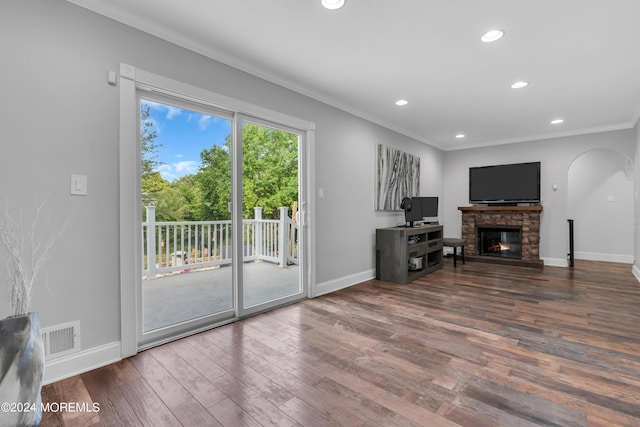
25,251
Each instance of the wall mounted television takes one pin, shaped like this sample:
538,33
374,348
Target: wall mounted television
505,184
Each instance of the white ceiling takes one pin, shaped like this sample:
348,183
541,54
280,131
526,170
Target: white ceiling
580,57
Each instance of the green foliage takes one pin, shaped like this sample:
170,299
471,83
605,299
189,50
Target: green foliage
270,169
152,182
148,145
214,180
192,193
172,205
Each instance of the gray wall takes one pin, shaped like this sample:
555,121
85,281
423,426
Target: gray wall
60,117
556,155
345,169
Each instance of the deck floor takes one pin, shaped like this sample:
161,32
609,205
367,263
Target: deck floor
185,296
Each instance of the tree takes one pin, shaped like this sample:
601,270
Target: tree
270,169
152,185
172,205
214,179
191,190
152,182
148,146
270,174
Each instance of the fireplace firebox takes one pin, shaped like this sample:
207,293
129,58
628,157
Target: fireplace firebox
502,242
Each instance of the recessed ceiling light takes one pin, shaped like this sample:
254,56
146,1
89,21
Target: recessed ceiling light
333,4
460,135
402,102
491,36
519,85
557,121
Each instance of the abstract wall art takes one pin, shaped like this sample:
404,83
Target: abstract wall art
398,176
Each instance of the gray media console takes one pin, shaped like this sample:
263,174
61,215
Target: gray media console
404,254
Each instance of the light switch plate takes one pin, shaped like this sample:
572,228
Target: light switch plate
78,185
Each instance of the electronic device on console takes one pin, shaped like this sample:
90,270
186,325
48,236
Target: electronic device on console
416,209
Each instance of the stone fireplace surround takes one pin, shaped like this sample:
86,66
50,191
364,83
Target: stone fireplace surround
526,218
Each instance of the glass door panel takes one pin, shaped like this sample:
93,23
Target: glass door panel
187,227
270,230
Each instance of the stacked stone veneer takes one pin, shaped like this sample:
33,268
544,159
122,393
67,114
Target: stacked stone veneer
527,218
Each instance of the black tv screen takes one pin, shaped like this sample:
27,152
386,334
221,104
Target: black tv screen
505,184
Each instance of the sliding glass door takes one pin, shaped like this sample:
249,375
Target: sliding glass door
220,197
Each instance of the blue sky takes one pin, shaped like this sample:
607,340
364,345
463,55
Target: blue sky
183,134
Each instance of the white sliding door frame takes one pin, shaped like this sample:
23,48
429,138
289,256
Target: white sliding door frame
131,81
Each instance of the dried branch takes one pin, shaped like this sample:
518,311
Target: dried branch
26,255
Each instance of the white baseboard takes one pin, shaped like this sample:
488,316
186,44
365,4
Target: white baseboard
589,256
83,361
636,272
342,282
555,262
593,256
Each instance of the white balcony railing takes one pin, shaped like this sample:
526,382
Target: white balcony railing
177,246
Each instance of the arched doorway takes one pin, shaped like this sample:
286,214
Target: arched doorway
600,201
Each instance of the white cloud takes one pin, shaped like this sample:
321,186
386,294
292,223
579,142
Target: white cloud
173,112
177,170
203,122
167,172
187,167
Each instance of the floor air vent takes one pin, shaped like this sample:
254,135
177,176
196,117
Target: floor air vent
61,340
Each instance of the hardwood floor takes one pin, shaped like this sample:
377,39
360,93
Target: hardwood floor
480,345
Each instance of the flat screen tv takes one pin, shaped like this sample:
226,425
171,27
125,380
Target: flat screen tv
505,184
